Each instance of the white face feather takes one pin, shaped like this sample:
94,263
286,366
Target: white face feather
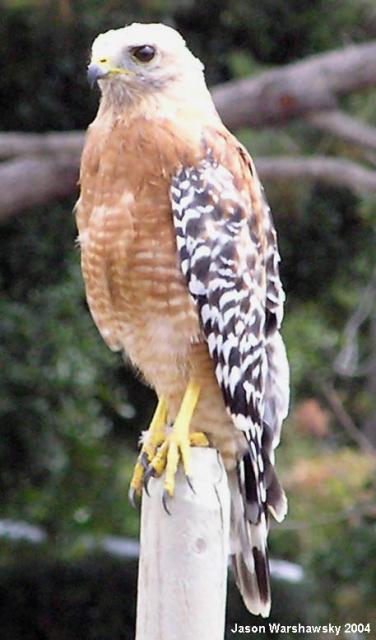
172,62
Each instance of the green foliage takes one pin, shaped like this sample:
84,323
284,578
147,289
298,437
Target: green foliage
62,395
348,577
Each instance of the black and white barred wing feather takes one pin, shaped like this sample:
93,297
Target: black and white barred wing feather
235,283
277,388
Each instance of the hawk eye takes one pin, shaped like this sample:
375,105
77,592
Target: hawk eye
144,53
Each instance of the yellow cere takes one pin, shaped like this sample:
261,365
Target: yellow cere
114,70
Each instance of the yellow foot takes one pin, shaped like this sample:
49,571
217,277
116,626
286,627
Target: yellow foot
177,445
173,450
154,437
161,453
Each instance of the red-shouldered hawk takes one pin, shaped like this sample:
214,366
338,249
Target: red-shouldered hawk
180,262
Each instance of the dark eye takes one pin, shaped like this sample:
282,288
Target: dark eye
144,53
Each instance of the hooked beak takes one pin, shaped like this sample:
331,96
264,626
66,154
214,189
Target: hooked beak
102,69
95,72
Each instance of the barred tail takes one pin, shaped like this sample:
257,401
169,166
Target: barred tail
252,578
249,532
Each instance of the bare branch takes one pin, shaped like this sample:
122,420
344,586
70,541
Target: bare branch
335,403
345,127
39,144
314,84
334,171
346,362
25,182
29,181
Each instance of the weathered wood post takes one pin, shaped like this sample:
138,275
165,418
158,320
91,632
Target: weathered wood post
182,578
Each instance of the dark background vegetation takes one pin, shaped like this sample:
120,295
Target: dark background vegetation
71,412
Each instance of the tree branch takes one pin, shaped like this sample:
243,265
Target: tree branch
314,84
346,363
335,403
26,182
39,144
334,171
345,127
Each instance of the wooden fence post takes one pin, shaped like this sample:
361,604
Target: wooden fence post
182,579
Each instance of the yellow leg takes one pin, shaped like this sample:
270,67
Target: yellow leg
157,431
177,444
155,436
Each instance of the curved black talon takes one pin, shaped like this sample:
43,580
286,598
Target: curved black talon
149,473
165,497
190,483
132,497
144,460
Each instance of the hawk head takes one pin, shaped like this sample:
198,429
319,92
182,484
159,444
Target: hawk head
141,59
